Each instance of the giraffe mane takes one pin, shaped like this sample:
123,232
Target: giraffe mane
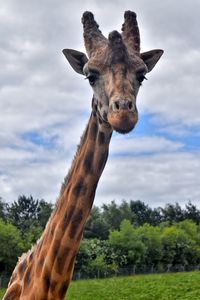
67,177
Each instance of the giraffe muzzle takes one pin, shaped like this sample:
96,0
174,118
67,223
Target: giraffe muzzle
123,115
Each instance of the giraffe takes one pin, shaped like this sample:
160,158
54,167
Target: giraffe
115,69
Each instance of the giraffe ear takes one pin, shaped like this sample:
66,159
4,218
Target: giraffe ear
150,58
76,59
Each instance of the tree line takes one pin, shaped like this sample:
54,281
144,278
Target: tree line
129,235
21,224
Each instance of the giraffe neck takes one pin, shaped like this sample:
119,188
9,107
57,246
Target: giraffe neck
47,270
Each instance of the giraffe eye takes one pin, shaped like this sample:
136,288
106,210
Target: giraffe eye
140,77
92,78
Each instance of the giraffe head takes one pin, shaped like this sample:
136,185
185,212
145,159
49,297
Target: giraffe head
115,69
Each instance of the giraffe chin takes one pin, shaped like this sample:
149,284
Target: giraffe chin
123,130
122,122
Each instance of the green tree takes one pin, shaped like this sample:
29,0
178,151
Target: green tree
192,213
128,246
173,213
3,209
155,217
114,214
96,226
26,213
11,246
151,237
44,211
93,257
180,244
141,212
98,265
31,236
22,213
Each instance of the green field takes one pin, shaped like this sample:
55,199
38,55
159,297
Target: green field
183,286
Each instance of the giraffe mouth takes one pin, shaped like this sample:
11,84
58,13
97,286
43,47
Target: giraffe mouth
123,121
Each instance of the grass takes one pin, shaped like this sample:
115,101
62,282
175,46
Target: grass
175,286
2,291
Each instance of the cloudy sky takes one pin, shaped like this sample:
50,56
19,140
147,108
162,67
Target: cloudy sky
44,104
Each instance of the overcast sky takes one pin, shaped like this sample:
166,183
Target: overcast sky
45,105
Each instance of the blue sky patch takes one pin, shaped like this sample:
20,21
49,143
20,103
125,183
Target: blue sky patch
37,138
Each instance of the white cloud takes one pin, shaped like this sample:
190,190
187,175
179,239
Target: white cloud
155,179
143,144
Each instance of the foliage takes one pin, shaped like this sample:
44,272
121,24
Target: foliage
192,213
31,236
181,244
10,239
96,226
3,209
151,248
110,216
93,257
151,237
27,212
142,212
114,214
130,235
129,248
21,213
173,213
21,225
43,212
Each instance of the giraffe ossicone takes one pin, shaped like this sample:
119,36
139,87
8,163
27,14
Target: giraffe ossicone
115,69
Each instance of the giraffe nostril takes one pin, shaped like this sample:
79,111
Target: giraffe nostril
115,106
123,105
130,105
